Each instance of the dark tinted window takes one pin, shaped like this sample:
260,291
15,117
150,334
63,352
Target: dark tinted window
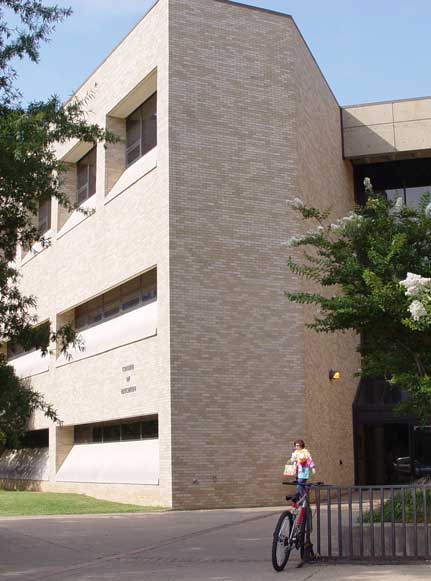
150,429
112,433
131,431
408,179
118,431
98,434
36,439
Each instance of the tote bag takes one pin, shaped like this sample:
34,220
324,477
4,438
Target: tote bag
289,469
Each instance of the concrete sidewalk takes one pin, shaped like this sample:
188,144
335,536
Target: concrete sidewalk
349,572
219,545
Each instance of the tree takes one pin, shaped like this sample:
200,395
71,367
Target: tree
30,174
361,264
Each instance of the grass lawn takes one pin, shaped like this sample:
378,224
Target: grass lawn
17,503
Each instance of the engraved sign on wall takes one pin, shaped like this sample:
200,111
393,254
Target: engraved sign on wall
128,379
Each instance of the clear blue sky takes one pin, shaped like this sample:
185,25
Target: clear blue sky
368,50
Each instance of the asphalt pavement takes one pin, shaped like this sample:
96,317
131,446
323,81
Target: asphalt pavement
219,545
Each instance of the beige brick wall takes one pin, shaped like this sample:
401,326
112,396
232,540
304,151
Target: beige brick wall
245,120
324,180
252,123
122,239
237,354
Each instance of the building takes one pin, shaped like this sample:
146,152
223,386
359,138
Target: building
391,144
197,372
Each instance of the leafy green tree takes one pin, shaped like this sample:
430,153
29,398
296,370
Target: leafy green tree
359,263
30,175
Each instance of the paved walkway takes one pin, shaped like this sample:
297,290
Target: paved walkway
222,545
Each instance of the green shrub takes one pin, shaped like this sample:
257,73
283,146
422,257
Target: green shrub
408,508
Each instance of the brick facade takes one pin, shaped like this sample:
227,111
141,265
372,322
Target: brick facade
245,121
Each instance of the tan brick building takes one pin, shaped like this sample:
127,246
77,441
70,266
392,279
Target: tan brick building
197,372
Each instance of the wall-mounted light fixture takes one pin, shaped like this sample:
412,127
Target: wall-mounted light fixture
334,375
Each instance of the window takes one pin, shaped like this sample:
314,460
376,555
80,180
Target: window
111,303
111,433
405,179
86,177
150,429
44,216
146,428
15,350
95,311
40,334
36,439
141,130
410,196
130,295
131,431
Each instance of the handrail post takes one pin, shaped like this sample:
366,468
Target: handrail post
350,524
318,520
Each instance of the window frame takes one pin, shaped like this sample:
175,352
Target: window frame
16,350
141,293
90,191
97,430
40,223
140,141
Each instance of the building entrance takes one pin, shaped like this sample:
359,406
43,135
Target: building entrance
389,449
380,448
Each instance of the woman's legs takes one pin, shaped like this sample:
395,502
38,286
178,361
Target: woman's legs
301,486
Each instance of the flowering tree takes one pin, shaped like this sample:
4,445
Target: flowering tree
30,174
363,264
418,288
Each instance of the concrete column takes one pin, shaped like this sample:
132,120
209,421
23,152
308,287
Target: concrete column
64,443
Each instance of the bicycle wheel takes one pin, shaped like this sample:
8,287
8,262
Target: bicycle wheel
281,546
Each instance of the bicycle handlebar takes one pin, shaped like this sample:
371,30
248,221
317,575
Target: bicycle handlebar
313,484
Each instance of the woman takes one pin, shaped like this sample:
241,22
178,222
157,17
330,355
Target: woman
304,465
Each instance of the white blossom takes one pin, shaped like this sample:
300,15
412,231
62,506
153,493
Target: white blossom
399,203
368,185
294,241
296,203
348,219
417,310
415,284
428,211
297,240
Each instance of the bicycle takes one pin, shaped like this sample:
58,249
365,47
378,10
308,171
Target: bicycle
293,530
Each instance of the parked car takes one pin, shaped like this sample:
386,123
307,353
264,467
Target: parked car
403,467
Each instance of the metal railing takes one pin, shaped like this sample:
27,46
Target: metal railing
372,522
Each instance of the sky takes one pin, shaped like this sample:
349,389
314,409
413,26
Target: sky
371,50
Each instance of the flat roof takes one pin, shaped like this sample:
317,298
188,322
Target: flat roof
385,102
